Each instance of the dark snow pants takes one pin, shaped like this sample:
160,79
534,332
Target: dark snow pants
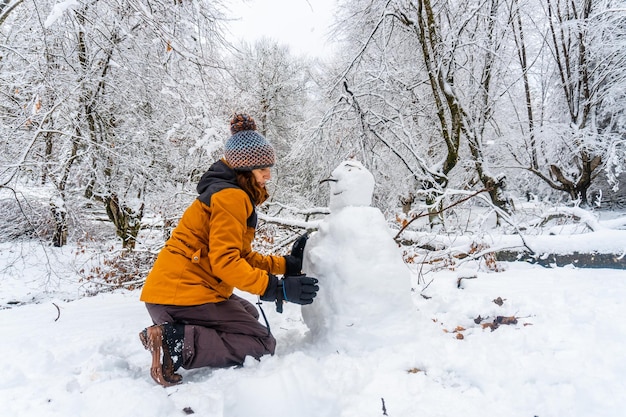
217,334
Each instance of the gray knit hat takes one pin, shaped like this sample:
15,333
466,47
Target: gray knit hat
247,149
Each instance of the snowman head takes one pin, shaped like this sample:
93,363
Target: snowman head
351,184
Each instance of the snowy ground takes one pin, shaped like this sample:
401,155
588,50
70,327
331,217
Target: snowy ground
66,355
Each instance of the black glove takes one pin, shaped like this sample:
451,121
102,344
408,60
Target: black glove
294,261
298,289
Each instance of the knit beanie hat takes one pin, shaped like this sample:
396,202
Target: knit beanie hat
247,149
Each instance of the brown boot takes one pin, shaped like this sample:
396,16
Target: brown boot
153,341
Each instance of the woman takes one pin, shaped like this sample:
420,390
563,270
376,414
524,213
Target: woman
198,321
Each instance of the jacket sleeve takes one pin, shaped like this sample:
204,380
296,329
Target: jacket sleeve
228,240
273,264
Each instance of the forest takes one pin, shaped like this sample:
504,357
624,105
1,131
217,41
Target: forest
495,131
473,117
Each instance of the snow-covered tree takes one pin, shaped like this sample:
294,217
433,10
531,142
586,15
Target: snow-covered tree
420,92
113,102
437,96
572,56
275,87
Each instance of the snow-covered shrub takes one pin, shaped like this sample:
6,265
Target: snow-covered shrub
23,219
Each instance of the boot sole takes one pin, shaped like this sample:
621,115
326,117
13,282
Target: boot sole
152,340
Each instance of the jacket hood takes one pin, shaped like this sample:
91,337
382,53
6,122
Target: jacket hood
218,177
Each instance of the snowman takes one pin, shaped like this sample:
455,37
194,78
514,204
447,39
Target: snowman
364,283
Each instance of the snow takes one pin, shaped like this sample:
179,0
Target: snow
563,357
422,345
58,10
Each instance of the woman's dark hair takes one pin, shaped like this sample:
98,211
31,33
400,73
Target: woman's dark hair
248,183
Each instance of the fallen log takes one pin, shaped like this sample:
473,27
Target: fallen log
579,260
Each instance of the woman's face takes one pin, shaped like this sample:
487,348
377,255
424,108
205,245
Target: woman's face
262,175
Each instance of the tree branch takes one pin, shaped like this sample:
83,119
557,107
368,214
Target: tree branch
422,214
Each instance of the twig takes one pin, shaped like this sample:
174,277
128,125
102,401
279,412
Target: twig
427,285
458,281
422,214
384,408
58,312
507,218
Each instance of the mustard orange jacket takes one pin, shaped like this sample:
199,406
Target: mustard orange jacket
210,251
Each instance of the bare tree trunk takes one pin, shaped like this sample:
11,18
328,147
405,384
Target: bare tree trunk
518,29
492,184
126,220
59,214
447,109
59,211
453,118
